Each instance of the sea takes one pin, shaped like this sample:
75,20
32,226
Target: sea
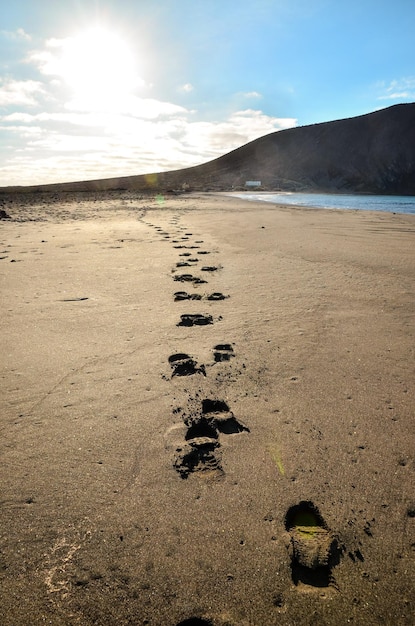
388,204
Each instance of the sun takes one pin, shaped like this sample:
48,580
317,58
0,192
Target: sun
100,68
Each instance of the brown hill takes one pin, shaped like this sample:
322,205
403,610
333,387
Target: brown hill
373,153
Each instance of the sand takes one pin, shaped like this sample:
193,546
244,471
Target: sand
245,460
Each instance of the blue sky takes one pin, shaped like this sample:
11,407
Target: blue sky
101,88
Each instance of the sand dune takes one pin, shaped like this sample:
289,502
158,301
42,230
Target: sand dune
207,413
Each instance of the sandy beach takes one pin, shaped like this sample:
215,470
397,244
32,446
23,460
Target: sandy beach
207,413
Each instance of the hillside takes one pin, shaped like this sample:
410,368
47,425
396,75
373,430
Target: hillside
373,153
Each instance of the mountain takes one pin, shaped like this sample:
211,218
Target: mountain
373,153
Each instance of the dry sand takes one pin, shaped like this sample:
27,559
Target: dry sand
132,494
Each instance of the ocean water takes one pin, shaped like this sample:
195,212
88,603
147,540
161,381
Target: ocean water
389,204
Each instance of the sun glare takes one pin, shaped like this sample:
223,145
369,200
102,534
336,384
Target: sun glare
100,68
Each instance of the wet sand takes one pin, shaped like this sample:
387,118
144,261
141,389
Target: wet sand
207,413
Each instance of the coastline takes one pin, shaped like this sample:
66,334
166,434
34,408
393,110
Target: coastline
101,523
341,201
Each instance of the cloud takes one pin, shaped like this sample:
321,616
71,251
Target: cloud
252,94
187,88
19,92
81,134
402,89
45,60
16,35
144,108
212,139
76,146
22,130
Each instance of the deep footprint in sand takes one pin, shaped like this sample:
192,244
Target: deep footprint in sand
313,548
195,319
201,429
223,352
216,296
184,365
218,415
199,454
189,278
200,451
183,295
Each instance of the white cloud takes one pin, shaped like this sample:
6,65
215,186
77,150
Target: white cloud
145,108
16,35
107,131
396,96
23,131
19,92
252,94
212,139
402,89
76,146
187,88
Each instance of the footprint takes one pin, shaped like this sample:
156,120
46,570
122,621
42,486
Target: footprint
200,450
183,295
313,548
223,352
201,455
202,429
195,319
203,252
218,414
209,268
216,296
189,278
184,365
183,264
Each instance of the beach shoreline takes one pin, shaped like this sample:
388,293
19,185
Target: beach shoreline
155,446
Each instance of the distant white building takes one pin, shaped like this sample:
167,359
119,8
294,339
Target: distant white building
253,183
